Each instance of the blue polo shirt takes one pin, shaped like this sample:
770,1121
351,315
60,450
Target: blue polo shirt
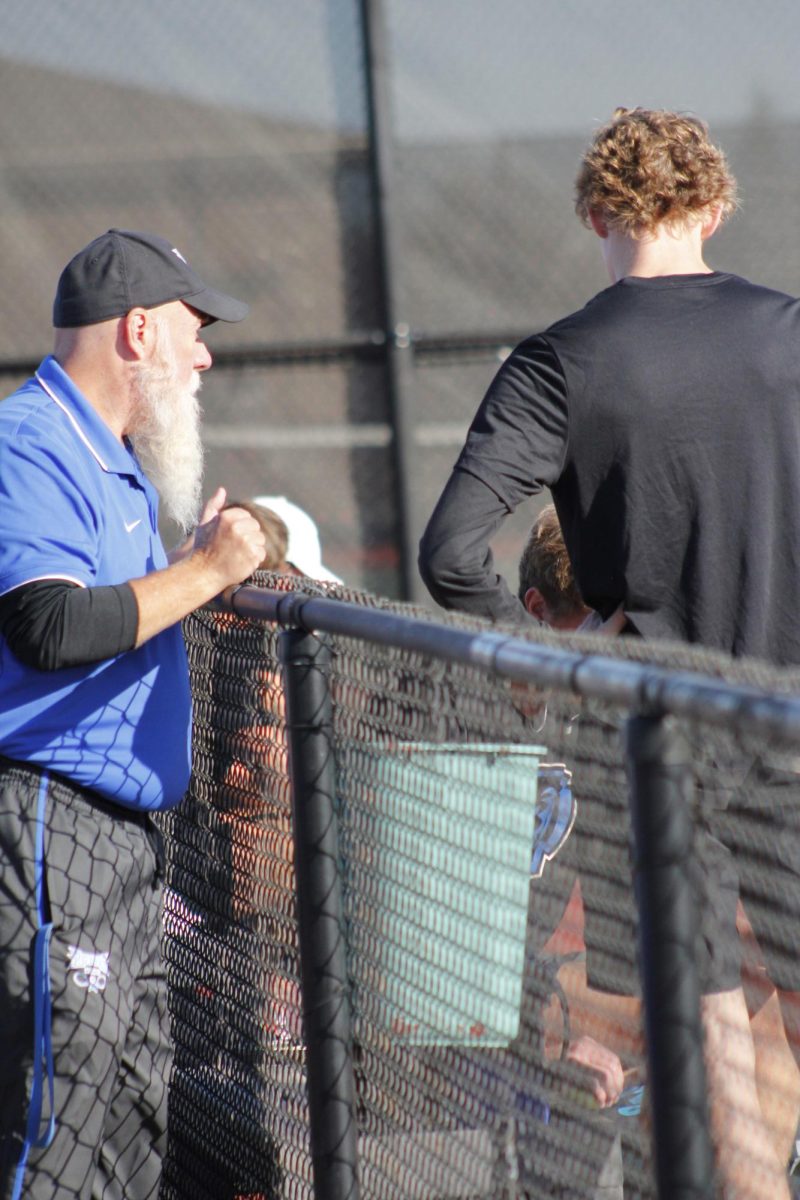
75,505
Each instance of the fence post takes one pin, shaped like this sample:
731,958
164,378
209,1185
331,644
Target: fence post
661,788
326,1009
399,346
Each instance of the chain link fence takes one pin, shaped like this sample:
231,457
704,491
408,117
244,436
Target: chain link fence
245,133
488,919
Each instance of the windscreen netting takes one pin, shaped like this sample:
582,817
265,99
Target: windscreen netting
489,922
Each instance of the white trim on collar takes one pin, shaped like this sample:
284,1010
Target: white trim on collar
45,387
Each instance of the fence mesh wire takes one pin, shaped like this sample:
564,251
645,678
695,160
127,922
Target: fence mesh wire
241,132
484,843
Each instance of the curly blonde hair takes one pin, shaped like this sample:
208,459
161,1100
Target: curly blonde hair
649,167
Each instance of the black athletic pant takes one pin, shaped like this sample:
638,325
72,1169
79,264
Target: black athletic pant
100,889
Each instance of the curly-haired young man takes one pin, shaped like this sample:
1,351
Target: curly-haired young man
665,418
617,409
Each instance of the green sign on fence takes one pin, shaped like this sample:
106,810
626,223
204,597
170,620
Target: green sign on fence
438,850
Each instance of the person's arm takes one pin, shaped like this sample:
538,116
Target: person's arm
228,546
611,1019
516,445
50,624
212,506
455,561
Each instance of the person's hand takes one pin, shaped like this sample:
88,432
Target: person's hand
211,507
229,541
605,1075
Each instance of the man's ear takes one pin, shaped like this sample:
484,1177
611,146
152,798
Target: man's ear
711,222
136,328
598,222
535,604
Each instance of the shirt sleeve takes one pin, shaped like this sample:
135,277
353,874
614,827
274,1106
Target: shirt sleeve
517,442
49,624
455,561
516,445
48,527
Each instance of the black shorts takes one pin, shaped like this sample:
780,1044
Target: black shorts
746,846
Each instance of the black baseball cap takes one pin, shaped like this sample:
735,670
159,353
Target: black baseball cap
123,269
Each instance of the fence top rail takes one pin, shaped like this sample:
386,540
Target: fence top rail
641,687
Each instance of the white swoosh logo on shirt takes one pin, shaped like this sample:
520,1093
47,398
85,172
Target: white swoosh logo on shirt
130,526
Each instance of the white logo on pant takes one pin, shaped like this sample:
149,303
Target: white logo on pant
90,970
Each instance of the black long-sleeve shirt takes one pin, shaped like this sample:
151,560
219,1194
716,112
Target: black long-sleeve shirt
665,419
456,563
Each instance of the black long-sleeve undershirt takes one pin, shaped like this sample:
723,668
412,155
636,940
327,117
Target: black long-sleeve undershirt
50,624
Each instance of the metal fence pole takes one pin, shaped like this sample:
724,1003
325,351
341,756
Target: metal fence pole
661,787
399,349
326,1010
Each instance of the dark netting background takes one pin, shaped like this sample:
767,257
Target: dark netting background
242,132
464,925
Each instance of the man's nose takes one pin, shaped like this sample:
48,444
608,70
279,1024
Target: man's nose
202,358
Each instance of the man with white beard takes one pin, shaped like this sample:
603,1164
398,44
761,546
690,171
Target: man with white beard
95,711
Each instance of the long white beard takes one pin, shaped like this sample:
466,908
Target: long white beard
166,436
